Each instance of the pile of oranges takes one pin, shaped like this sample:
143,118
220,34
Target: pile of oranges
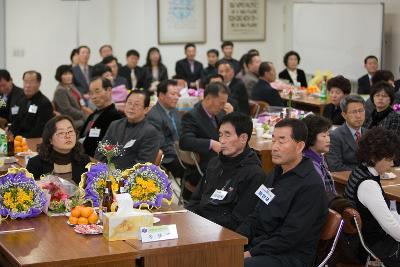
20,144
83,215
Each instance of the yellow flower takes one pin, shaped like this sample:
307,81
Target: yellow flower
144,189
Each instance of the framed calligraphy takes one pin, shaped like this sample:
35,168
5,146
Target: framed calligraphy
243,20
181,21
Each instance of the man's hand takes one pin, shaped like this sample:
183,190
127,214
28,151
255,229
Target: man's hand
215,146
246,254
228,108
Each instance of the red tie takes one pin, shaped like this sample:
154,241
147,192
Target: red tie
358,136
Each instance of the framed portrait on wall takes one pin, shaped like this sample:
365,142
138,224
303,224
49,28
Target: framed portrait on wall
243,20
181,21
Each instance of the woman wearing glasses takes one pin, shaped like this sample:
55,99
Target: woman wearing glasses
60,153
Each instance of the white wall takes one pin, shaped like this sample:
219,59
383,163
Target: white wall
2,34
40,34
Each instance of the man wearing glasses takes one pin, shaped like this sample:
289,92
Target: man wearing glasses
344,139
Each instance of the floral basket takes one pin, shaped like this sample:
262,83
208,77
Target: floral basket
20,197
148,185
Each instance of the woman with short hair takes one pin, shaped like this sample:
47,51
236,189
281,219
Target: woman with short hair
338,87
292,73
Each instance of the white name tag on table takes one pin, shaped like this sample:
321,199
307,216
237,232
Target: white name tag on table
14,110
33,109
94,132
219,194
265,194
158,233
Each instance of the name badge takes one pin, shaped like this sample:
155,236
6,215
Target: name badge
219,194
158,233
130,143
82,102
265,194
14,110
94,132
32,109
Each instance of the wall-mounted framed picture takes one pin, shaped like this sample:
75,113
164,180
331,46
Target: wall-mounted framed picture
181,21
243,20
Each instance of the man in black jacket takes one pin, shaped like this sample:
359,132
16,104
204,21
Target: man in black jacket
189,69
131,71
365,82
97,123
286,225
10,94
226,194
33,110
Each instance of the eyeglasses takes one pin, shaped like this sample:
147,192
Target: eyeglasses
354,112
65,134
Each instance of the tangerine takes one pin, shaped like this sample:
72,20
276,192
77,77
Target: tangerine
76,213
86,212
93,218
73,220
82,220
18,138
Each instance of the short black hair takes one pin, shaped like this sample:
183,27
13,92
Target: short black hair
109,59
140,92
37,74
99,69
241,122
339,82
291,53
352,98
105,83
315,124
299,129
224,62
81,47
382,75
382,86
214,89
61,70
265,66
226,43
213,51
249,58
376,144
253,51
73,53
5,75
189,45
213,76
104,46
132,52
162,87
369,57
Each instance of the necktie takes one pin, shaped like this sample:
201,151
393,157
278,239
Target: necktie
133,79
358,136
171,116
191,66
86,74
214,122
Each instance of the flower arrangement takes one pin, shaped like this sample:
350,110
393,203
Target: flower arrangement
396,107
148,185
196,93
109,150
20,197
316,81
2,102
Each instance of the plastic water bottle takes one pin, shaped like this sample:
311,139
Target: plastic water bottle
323,90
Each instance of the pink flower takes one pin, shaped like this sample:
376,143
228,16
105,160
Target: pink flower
109,147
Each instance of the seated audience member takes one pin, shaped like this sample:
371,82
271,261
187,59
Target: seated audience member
212,58
344,139
166,119
67,99
10,93
154,70
33,110
262,90
236,173
242,64
189,69
286,225
292,73
112,62
60,153
219,78
317,145
252,64
97,123
236,87
83,71
105,51
338,87
382,95
199,132
74,57
378,148
131,71
227,50
365,82
139,138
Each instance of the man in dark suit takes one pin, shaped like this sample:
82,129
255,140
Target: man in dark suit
212,58
200,129
227,50
131,71
252,62
10,93
97,123
83,72
31,112
344,139
236,87
189,69
165,118
262,90
112,62
365,82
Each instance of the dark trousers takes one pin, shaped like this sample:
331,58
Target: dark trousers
388,251
174,167
272,261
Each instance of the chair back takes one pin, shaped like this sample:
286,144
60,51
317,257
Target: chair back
159,157
254,108
264,106
349,214
187,158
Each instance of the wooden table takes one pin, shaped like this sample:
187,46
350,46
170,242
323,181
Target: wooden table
263,147
54,243
200,243
307,102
